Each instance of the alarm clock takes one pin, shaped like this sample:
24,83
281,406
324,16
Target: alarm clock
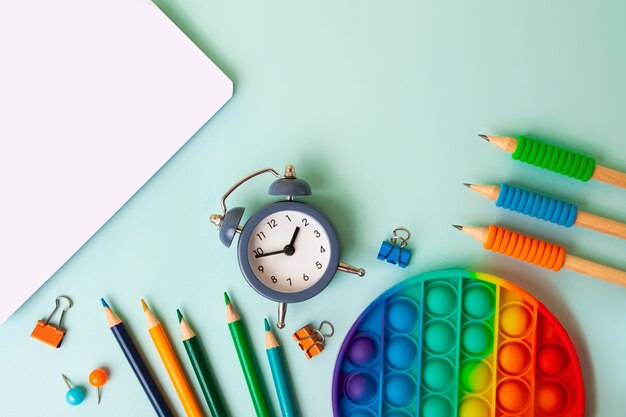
288,251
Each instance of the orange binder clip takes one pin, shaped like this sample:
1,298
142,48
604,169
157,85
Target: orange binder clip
312,341
47,333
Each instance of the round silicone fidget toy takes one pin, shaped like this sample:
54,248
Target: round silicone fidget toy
457,343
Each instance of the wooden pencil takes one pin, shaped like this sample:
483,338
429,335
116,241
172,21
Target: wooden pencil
600,173
583,219
136,362
245,359
279,373
540,253
172,366
200,367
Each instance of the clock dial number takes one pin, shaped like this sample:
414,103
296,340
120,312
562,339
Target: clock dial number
318,264
260,235
322,250
274,280
261,268
316,233
306,222
258,252
288,218
272,224
290,283
305,277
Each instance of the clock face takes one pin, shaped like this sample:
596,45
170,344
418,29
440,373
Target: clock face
290,251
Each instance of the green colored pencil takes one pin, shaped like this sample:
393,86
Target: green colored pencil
245,359
279,373
200,367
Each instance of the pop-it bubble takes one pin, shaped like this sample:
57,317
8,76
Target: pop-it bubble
457,343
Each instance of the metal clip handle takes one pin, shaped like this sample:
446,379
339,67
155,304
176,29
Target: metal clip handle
57,304
241,181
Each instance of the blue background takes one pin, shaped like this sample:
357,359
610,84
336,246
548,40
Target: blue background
377,104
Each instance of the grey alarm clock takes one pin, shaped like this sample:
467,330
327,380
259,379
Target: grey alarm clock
288,251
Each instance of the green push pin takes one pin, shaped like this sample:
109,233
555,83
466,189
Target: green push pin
75,395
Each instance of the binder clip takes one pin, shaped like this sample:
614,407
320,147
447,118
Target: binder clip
312,341
47,333
394,251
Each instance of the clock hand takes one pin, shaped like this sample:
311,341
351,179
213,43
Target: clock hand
269,253
293,238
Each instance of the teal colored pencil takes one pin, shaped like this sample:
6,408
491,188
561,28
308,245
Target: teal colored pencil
279,373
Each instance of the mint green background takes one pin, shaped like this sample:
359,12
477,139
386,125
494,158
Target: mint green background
378,105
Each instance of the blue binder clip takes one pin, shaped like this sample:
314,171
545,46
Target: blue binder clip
394,251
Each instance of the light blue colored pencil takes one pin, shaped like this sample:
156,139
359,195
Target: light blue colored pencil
279,373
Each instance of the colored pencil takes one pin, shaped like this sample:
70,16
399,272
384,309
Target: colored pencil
136,362
600,173
245,359
279,374
172,366
532,250
200,367
583,219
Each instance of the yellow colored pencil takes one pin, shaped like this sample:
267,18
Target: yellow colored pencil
174,370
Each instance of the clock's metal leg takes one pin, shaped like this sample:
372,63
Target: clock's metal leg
282,312
344,267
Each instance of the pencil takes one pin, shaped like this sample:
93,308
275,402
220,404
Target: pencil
546,208
136,362
557,159
245,359
172,366
538,252
200,367
279,373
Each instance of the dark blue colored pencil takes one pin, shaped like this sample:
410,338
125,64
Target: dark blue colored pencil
136,362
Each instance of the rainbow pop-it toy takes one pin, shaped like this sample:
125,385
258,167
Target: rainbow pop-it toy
457,343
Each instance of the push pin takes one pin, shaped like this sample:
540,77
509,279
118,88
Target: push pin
97,378
394,251
312,341
74,395
46,332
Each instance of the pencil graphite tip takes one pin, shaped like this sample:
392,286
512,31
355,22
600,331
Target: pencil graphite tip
467,184
226,299
104,303
456,226
267,325
484,137
180,315
144,305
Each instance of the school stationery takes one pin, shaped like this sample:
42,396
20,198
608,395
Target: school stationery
546,208
200,367
97,378
136,362
74,395
394,251
313,341
288,251
559,160
172,366
457,343
95,97
48,333
538,252
279,374
245,359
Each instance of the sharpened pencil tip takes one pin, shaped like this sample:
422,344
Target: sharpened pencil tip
226,299
144,305
267,325
456,226
180,315
484,137
467,184
104,303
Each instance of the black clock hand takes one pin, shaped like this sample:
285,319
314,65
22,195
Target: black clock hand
293,238
269,253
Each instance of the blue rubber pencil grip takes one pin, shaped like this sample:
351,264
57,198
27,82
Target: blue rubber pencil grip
536,205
